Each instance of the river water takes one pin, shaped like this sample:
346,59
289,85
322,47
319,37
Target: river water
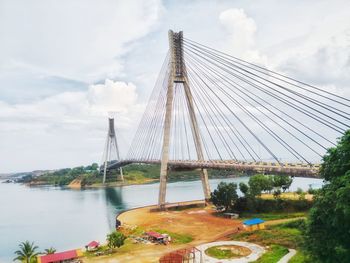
66,219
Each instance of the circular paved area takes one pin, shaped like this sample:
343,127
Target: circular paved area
257,251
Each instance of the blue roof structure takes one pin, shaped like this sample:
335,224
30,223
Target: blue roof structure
253,221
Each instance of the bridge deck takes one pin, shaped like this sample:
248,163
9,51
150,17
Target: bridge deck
295,169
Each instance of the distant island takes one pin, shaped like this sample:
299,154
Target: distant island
90,176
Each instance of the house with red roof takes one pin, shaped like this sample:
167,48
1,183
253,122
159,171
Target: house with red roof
60,256
93,245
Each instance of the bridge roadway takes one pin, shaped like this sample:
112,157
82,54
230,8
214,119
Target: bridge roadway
294,169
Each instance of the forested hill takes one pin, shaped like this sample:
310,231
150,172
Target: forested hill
134,173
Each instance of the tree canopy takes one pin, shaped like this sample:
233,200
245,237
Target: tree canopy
27,252
225,195
115,239
328,231
260,183
336,162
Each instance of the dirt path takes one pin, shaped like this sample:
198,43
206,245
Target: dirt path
200,223
280,221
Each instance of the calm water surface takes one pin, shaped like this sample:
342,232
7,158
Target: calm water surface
67,219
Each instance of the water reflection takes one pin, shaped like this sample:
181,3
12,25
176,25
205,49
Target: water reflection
114,204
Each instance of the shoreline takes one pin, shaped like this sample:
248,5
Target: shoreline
120,184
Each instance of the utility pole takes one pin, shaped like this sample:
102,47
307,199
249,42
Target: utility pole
111,144
178,74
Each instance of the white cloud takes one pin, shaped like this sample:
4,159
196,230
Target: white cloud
51,51
79,40
241,34
112,96
62,124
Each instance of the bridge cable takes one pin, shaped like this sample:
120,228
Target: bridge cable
243,63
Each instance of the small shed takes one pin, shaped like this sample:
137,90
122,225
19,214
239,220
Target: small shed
157,237
93,245
254,224
231,215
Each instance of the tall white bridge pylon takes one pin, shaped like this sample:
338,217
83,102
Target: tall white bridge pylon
111,150
211,110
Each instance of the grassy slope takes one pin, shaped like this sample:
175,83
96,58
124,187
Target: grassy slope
273,255
287,235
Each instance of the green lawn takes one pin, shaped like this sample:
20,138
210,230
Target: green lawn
299,257
220,253
273,216
176,237
278,237
273,255
286,234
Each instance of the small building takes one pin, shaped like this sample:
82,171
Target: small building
157,237
254,224
231,215
93,245
60,256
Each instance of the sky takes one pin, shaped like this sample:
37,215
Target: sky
65,66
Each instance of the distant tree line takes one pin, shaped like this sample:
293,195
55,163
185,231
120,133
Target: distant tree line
226,195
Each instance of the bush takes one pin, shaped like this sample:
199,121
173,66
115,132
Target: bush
115,239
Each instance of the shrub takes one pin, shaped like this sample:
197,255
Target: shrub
115,239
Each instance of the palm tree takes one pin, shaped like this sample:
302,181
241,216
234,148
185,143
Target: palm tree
50,250
27,252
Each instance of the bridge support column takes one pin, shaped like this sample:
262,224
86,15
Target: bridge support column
197,139
167,129
178,74
111,142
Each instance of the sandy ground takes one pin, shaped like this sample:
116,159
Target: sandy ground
200,223
288,195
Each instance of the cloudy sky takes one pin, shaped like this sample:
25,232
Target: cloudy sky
64,65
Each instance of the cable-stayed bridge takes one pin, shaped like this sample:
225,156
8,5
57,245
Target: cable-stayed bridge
209,109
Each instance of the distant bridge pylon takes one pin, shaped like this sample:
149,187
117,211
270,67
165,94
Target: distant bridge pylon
209,109
111,150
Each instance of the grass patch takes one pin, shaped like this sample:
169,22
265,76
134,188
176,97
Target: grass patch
300,257
101,250
287,234
176,237
273,216
219,253
273,255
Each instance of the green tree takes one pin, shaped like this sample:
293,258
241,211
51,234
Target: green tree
244,188
225,195
27,252
336,162
50,250
282,181
260,183
329,218
115,239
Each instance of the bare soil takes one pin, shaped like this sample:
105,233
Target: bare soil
200,223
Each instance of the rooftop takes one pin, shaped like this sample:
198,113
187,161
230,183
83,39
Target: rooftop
253,221
60,256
